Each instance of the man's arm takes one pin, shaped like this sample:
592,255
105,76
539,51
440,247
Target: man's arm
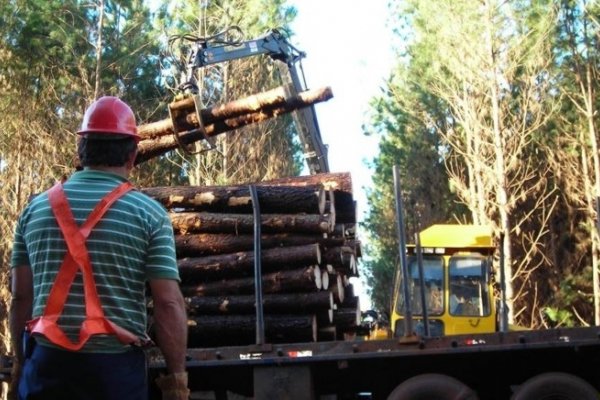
21,305
170,322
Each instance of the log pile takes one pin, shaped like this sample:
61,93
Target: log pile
308,253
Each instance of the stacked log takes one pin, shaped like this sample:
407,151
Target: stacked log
307,258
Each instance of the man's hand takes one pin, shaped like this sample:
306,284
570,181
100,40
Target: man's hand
174,386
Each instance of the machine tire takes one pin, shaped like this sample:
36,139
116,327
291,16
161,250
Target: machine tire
432,386
555,386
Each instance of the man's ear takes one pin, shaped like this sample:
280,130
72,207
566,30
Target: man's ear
131,160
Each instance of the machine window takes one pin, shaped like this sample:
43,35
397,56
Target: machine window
433,285
468,277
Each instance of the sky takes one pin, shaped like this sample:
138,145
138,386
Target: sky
348,48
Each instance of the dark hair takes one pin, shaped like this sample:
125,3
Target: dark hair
106,153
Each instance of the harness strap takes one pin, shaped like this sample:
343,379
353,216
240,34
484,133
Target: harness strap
77,256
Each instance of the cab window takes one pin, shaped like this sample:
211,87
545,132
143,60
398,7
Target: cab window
468,277
433,284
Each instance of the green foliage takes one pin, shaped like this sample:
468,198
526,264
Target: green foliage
559,318
504,77
405,116
51,65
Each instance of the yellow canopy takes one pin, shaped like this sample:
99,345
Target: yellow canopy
457,236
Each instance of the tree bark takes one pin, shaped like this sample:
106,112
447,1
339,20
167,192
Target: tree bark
355,245
337,181
278,303
344,230
222,330
340,257
236,199
205,222
339,184
346,317
337,288
265,104
324,279
241,264
201,244
204,244
161,135
346,212
324,317
299,280
326,334
351,301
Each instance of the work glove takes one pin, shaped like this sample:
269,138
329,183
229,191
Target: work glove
174,386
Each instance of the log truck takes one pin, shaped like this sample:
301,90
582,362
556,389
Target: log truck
459,346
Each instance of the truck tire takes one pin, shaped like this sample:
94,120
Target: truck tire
432,386
555,386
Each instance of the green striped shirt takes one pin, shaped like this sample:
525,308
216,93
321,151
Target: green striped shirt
132,243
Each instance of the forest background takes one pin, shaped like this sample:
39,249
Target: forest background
490,112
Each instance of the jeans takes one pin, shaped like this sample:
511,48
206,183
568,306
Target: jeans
50,373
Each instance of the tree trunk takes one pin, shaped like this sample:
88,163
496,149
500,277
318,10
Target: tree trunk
197,245
324,317
264,103
279,303
346,318
341,258
351,301
204,222
337,181
236,199
300,280
326,334
337,288
345,213
161,135
223,330
241,264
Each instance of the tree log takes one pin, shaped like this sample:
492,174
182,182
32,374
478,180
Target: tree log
349,291
280,303
326,334
223,330
324,280
346,231
299,280
341,181
354,244
340,257
353,267
351,301
346,317
337,288
324,317
263,103
204,222
236,199
339,184
241,264
345,211
161,138
203,244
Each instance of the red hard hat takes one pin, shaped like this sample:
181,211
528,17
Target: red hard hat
110,116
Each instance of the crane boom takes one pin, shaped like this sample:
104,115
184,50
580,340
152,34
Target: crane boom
275,45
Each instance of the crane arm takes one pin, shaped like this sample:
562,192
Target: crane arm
275,45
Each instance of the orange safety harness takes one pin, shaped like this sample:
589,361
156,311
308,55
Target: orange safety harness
77,256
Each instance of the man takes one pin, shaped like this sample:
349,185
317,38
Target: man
82,255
